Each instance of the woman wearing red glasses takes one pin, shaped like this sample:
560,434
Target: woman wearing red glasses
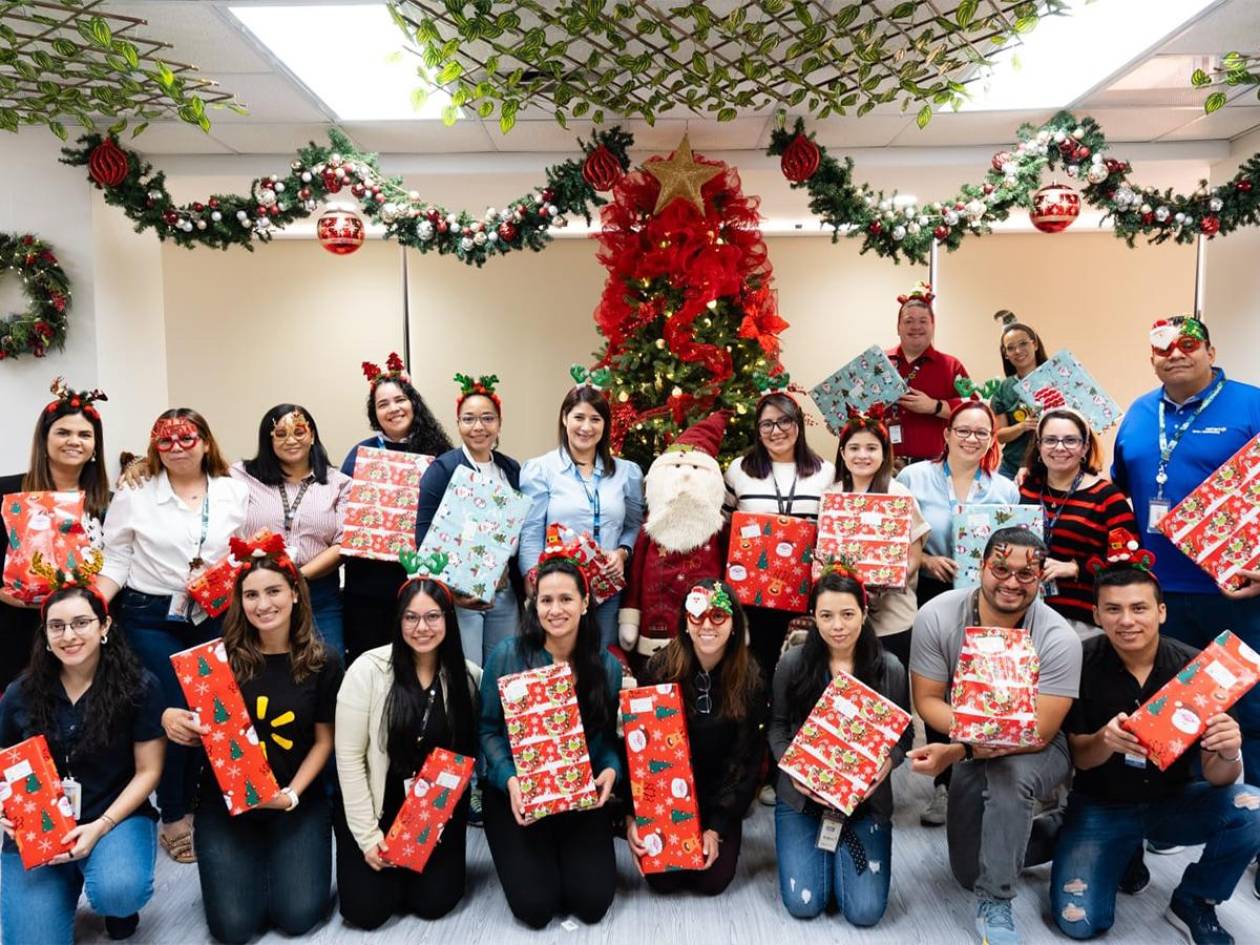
725,706
158,537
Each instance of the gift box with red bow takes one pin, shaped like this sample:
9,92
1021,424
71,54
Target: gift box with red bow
994,693
47,523
769,559
380,508
32,799
432,797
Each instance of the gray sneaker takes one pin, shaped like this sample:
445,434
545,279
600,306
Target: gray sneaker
767,795
934,814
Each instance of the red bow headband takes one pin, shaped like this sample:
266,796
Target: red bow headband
873,420
1123,551
394,370
78,400
841,565
264,546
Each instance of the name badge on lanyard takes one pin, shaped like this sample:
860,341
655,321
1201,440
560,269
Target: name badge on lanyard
894,433
1158,506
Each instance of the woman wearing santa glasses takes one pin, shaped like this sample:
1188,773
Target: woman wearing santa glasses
159,537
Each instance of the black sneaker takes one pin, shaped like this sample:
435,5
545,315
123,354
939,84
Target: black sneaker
1196,918
120,927
474,807
1136,876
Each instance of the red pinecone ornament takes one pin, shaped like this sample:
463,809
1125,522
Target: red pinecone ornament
107,164
801,159
601,169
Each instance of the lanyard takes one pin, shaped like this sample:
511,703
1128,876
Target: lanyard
197,561
1051,522
949,483
592,496
785,508
1166,446
915,368
290,511
975,613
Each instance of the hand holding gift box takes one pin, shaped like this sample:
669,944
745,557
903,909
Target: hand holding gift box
871,532
869,379
32,800
567,542
1063,381
49,524
432,797
380,508
768,562
973,526
994,691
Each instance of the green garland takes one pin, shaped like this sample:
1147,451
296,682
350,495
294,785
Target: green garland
274,202
1075,145
43,324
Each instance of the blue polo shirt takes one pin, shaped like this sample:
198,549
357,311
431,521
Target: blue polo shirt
1220,431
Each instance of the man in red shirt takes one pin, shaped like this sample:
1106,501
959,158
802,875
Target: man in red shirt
918,420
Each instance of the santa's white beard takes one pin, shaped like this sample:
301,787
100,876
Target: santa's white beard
687,522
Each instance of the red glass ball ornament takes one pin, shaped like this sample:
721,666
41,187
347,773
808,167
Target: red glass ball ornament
941,232
800,159
170,218
1210,226
875,228
1115,167
1054,208
507,231
358,190
107,164
601,169
1002,157
340,231
1244,186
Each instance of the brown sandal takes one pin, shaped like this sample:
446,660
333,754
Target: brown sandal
180,848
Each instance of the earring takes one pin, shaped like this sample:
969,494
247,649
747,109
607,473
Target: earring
104,638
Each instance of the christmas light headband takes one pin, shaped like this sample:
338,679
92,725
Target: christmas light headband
966,387
599,378
922,292
483,386
1123,551
77,400
394,371
872,420
700,600
1166,331
264,546
843,566
83,574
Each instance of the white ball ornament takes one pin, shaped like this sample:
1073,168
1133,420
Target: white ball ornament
1162,214
279,188
306,177
913,228
216,216
479,239
492,237
466,244
899,233
1215,204
951,217
425,231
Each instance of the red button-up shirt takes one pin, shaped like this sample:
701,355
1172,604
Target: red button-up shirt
922,435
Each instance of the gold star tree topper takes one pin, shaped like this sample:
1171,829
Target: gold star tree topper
681,176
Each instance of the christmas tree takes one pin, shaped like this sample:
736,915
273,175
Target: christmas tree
220,712
203,668
32,783
234,751
688,314
45,822
656,767
251,793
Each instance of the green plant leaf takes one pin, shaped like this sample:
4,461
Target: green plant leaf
1199,78
58,129
419,95
1214,102
924,116
506,123
450,114
966,13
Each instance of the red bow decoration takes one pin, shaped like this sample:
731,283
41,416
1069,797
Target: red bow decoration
843,566
394,369
264,545
1123,551
873,419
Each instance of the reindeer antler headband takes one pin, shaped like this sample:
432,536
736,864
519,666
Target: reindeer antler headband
394,371
79,400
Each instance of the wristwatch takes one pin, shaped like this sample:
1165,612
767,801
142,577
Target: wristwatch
968,753
294,799
939,405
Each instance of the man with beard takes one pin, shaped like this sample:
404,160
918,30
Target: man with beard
681,542
991,825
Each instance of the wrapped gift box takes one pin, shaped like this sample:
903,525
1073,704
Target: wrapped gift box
662,785
994,691
50,523
583,549
844,743
432,797
232,748
1063,381
768,563
544,728
380,508
31,797
973,526
870,531
477,526
869,379
1218,524
213,588
1176,716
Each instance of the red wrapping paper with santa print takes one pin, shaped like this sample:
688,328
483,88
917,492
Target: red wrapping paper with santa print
544,729
31,797
840,749
662,786
769,559
994,693
232,750
50,523
432,797
870,531
1218,524
380,508
1176,716
583,549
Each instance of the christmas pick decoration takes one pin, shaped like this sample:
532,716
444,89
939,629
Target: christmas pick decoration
681,176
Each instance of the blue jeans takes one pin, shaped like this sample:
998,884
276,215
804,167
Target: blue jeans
808,876
154,638
326,612
38,906
480,631
265,869
1196,619
606,619
1098,840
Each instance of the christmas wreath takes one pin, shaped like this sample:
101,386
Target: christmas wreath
1077,145
43,324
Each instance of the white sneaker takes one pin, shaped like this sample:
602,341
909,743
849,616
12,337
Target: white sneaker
767,795
934,814
1163,849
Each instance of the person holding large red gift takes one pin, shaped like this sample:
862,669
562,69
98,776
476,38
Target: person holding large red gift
1119,796
67,450
398,703
271,866
725,707
99,710
682,541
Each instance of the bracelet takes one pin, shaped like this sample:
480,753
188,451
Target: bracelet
1230,761
293,798
109,820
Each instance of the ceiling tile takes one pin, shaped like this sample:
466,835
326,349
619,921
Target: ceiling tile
949,128
271,97
177,137
200,35
869,131
1226,123
269,137
1142,124
1219,30
419,137
738,135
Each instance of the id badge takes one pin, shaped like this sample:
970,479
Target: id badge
894,433
1134,761
407,783
1156,511
73,791
178,611
829,830
1050,588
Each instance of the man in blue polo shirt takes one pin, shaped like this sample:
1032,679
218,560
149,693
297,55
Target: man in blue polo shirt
1206,418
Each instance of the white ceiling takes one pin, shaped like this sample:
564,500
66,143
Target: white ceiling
1149,102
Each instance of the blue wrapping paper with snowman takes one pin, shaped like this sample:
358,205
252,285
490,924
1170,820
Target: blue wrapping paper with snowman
867,380
477,526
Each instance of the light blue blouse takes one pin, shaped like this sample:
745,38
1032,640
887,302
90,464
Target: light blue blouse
929,484
558,494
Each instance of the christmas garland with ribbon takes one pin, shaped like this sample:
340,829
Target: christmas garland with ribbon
319,173
1075,145
44,323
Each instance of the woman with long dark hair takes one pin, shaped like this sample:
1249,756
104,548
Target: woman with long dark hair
725,706
270,867
562,863
399,702
67,455
402,421
857,872
1022,352
580,484
99,709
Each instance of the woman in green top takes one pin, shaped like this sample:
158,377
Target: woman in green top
1022,352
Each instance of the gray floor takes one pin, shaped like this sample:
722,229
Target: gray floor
925,906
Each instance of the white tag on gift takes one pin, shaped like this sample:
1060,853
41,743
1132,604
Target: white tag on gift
751,530
1220,675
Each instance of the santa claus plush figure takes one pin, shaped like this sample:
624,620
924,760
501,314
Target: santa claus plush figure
682,542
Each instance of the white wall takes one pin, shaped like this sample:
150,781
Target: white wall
1232,289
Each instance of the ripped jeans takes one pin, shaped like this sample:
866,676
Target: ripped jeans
809,876
1098,840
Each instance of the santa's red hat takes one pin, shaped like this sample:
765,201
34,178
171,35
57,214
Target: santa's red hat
705,436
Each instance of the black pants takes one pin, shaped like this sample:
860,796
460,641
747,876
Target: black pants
368,620
18,629
561,864
766,630
708,882
928,588
898,644
369,898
